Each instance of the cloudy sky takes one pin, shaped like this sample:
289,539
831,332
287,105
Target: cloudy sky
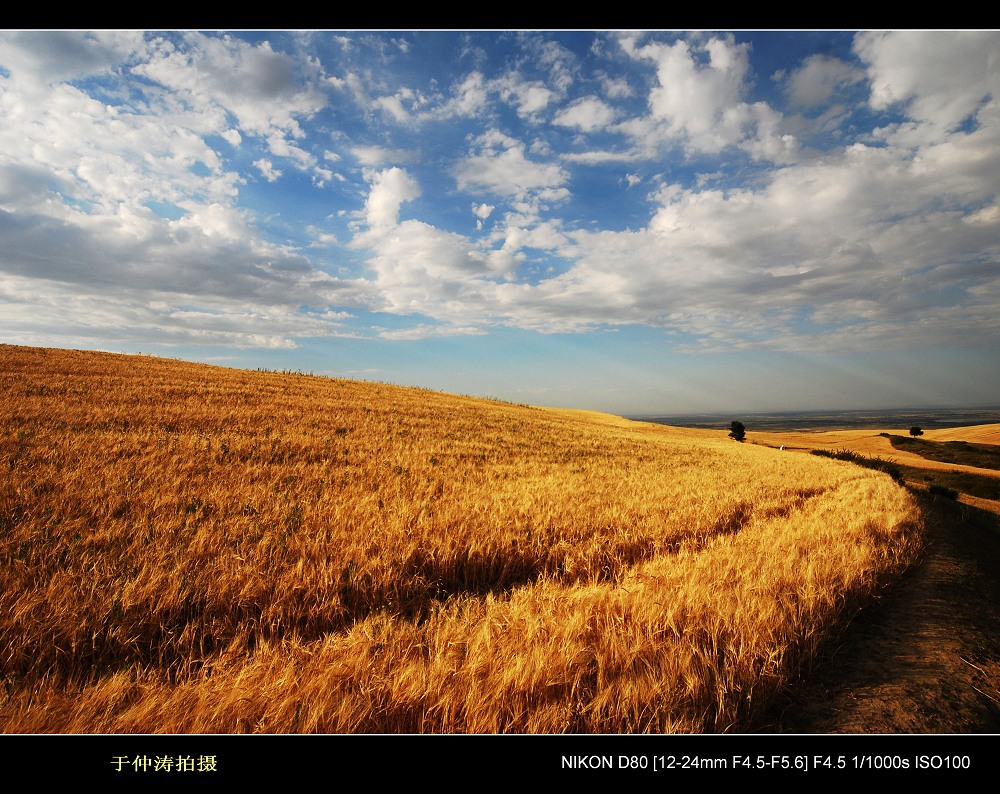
640,223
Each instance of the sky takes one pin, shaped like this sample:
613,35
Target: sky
642,223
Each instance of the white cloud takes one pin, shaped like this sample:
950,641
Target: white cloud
812,240
530,98
818,79
482,211
101,154
409,106
280,147
259,86
698,102
402,105
266,167
380,155
500,167
79,176
420,269
725,265
469,98
616,88
117,212
546,236
987,216
587,114
83,318
424,270
322,176
389,189
560,63
51,56
598,157
830,254
424,331
939,77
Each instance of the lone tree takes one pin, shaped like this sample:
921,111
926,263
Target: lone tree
739,432
916,431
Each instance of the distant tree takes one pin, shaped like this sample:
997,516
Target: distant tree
916,431
739,432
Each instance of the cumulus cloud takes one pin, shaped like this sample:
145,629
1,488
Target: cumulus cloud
267,169
389,189
469,98
411,106
818,78
587,114
827,254
110,207
500,166
482,212
615,87
139,193
402,105
560,64
257,85
57,56
65,315
940,79
698,101
529,97
698,91
849,242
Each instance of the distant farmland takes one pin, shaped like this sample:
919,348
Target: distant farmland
191,549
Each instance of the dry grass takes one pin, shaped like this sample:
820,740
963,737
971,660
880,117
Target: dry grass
196,549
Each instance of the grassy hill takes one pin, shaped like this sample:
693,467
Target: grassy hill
960,460
189,549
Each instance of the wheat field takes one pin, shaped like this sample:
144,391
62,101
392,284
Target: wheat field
196,549
876,444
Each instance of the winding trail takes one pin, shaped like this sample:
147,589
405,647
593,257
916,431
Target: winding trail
926,658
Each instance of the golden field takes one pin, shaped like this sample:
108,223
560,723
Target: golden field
873,443
876,445
190,549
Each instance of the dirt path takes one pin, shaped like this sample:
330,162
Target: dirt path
926,659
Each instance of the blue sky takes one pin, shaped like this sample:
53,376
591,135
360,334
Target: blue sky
635,222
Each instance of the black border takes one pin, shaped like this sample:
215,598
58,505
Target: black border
439,760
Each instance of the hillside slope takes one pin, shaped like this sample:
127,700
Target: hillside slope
193,549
